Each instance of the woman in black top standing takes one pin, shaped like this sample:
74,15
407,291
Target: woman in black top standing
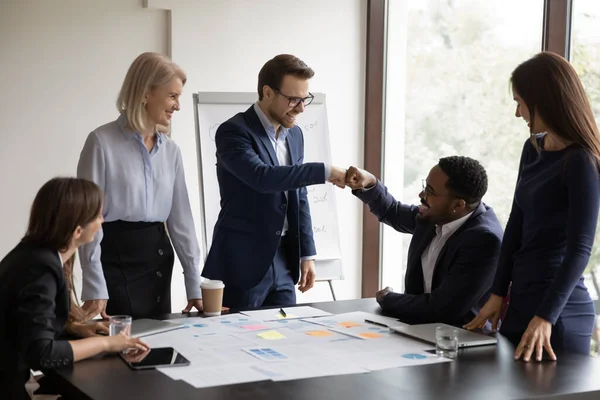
550,233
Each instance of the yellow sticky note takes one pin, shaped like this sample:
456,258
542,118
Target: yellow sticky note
370,335
271,335
319,333
287,316
349,324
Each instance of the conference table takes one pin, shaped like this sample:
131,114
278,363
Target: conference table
487,372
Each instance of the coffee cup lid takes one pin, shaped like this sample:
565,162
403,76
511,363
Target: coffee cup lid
212,284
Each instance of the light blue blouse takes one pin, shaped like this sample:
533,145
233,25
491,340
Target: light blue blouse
138,186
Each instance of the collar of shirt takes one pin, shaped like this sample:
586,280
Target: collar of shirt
129,133
448,229
268,125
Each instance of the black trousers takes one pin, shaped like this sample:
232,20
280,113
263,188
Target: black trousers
137,261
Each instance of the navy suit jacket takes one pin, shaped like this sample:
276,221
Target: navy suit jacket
464,271
253,203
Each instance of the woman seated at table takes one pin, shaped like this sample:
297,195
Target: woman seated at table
36,291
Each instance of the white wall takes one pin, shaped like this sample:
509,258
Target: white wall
63,63
222,45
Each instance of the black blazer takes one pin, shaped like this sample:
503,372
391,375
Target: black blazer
34,309
464,270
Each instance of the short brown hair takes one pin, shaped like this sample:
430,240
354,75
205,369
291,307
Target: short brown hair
549,85
272,73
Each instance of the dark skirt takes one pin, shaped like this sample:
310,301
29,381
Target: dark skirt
137,260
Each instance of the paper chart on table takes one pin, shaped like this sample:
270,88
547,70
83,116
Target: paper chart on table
237,348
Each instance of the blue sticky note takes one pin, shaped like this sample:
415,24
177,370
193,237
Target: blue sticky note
414,356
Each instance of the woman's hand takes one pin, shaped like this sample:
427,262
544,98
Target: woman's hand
490,311
87,329
536,338
120,342
197,303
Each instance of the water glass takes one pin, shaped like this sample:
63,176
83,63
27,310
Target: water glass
120,323
446,342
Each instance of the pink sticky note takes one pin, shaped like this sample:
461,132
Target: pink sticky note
254,327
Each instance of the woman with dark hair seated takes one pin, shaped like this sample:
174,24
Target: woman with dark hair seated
36,291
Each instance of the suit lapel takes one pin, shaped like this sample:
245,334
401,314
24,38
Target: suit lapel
478,211
427,238
414,271
259,130
292,146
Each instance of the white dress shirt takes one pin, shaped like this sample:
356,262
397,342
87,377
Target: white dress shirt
432,251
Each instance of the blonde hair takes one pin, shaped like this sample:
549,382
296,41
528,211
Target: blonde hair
148,71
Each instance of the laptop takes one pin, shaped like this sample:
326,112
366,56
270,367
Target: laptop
426,333
146,327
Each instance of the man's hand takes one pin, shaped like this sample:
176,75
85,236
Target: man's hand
95,307
337,176
382,293
357,178
307,275
491,311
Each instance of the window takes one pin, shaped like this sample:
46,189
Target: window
448,93
585,57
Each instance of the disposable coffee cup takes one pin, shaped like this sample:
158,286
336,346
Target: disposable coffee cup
212,297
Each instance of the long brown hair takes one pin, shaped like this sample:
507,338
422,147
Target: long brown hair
59,207
549,85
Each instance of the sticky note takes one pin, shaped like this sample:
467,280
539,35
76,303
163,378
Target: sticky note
349,324
254,327
319,333
370,335
287,316
271,335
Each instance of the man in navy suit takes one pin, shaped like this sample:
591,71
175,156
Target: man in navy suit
263,239
455,246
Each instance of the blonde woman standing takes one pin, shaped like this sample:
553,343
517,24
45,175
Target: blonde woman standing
127,268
